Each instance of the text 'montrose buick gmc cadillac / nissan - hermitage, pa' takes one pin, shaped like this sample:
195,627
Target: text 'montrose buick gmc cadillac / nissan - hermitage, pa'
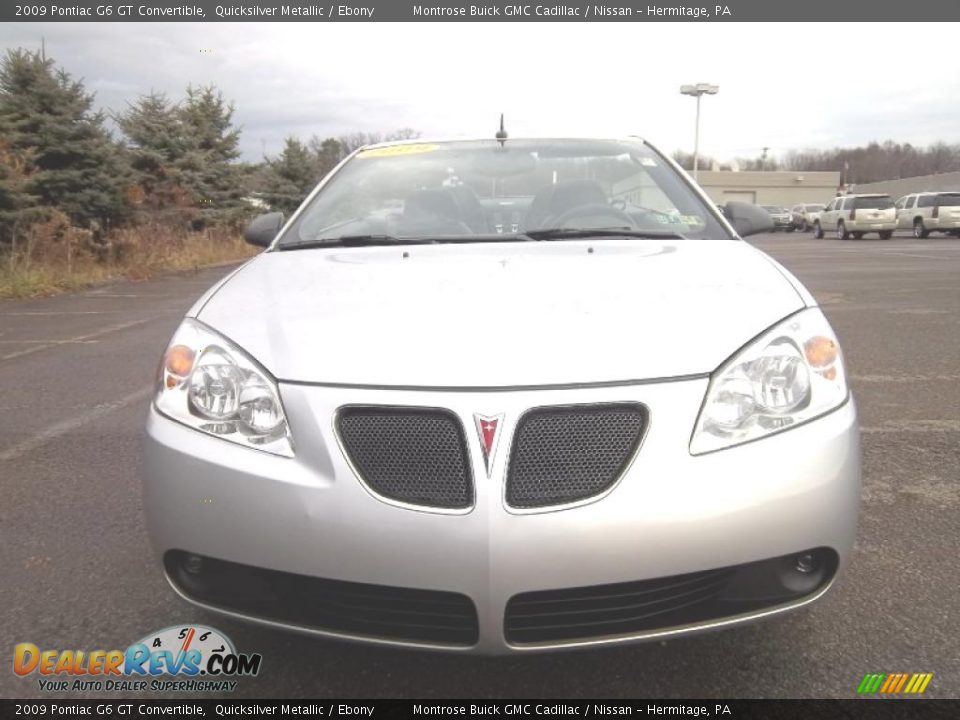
499,396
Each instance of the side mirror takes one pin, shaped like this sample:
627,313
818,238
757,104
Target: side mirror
263,229
748,219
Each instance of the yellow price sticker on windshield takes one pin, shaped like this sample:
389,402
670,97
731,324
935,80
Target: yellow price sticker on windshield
393,150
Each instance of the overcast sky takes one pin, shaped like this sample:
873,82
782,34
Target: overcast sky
781,85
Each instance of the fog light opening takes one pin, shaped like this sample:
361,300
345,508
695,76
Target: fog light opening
806,563
193,564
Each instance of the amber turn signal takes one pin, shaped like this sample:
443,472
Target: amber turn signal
179,360
821,351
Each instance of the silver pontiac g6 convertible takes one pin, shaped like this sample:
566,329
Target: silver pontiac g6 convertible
503,396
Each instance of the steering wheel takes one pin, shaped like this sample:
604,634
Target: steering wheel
619,217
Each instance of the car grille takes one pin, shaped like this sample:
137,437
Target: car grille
346,608
416,456
632,608
570,453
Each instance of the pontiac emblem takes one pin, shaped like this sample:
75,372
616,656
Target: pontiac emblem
488,428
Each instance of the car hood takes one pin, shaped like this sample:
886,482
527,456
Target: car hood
501,314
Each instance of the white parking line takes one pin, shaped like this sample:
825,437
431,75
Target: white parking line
97,296
65,426
878,378
49,342
918,426
60,312
915,255
78,339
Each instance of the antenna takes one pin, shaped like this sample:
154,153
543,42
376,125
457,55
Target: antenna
501,133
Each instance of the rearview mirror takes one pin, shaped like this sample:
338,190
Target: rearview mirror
263,229
748,219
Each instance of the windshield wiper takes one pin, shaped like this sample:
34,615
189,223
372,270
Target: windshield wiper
535,235
577,233
354,241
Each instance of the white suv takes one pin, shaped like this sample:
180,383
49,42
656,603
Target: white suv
927,212
857,215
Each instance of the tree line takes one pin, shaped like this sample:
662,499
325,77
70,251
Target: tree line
175,162
873,162
178,162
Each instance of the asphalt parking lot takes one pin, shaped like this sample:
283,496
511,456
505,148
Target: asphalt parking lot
77,572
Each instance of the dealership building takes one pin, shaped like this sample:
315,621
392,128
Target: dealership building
905,186
769,187
787,188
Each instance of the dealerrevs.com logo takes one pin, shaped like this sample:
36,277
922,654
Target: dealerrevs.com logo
188,658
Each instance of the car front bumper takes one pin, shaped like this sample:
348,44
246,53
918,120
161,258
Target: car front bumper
671,513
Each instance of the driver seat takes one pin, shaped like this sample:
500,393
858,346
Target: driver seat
432,212
575,193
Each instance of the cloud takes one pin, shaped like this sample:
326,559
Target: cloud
776,88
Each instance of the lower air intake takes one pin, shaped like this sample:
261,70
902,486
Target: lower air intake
644,606
346,608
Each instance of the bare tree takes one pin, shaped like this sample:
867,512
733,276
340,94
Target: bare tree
878,161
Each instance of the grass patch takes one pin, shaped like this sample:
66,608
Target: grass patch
59,259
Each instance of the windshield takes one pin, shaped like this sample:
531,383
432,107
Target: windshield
873,203
814,208
774,209
482,190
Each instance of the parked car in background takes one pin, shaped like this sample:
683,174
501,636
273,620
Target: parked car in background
857,215
804,215
928,212
782,219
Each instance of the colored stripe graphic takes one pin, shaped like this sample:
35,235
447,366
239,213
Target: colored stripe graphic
900,683
922,680
894,683
889,682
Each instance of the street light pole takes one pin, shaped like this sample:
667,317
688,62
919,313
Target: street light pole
696,142
698,91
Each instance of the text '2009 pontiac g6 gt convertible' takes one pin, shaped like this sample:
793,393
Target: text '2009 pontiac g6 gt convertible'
502,396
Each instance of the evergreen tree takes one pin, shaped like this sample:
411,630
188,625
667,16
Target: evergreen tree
327,153
74,165
290,177
206,167
15,202
156,144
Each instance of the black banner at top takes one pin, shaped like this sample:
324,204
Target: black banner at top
479,11
519,709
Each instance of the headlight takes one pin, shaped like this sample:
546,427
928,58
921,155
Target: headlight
791,374
210,384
